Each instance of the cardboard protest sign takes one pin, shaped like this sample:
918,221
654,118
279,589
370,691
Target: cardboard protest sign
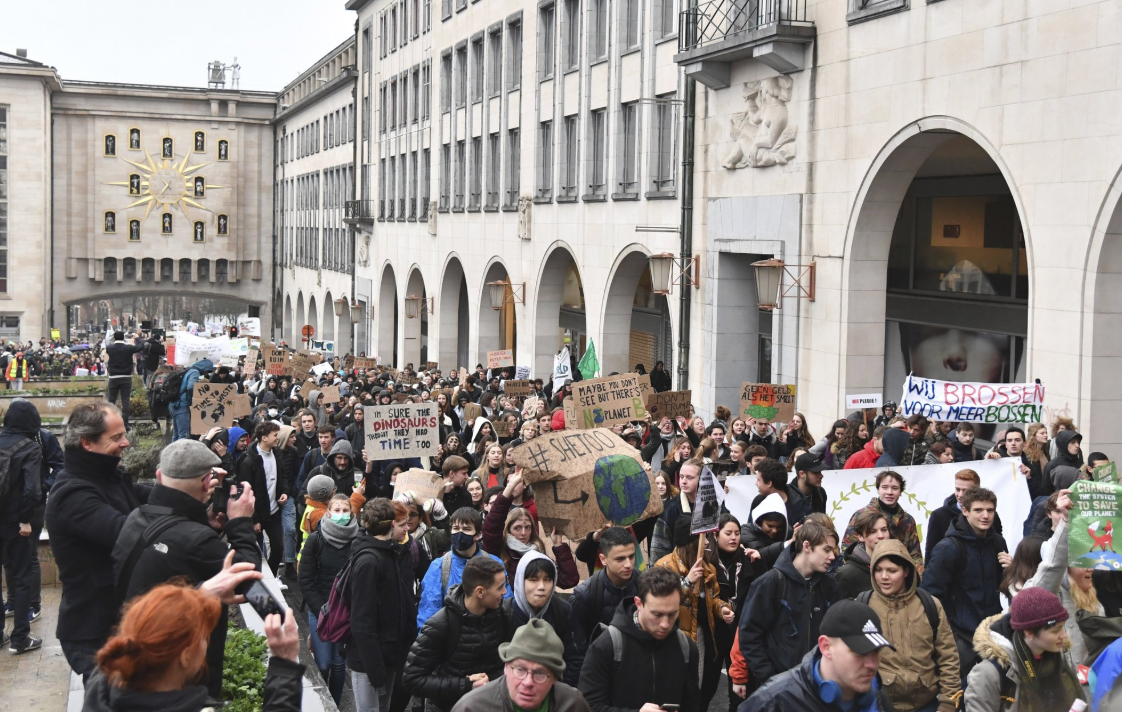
348,363
518,388
463,374
602,402
216,404
330,394
501,425
500,359
1093,519
395,432
307,387
522,372
431,366
365,364
302,363
568,407
973,402
645,386
669,403
707,507
424,484
472,411
251,359
228,361
400,397
406,379
584,479
863,400
276,361
1106,473
767,401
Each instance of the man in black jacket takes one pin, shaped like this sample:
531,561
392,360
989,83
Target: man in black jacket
121,365
846,654
643,661
187,543
152,351
340,467
595,600
383,614
781,620
457,649
21,427
272,487
85,513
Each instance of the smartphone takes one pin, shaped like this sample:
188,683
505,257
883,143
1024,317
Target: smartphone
263,600
669,708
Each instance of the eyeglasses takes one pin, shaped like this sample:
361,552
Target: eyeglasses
540,676
414,515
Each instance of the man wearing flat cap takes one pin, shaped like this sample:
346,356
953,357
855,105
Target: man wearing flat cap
178,534
837,675
533,667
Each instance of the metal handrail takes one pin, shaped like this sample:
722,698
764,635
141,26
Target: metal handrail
718,20
359,209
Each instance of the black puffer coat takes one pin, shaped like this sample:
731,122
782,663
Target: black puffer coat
320,561
440,659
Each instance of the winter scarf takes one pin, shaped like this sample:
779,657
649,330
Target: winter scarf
338,535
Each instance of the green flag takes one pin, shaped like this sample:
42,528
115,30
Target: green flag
588,365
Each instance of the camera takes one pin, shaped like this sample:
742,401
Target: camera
221,497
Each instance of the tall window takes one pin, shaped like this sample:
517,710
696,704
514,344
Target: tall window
629,151
662,146
427,12
3,200
570,175
446,81
477,70
393,104
547,39
424,177
460,169
493,162
426,89
629,27
402,183
391,173
476,191
570,35
445,176
665,18
415,105
445,9
460,85
513,168
597,181
495,68
598,31
545,160
381,189
514,52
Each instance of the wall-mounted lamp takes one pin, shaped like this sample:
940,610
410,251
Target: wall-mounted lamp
668,270
498,291
340,306
769,282
414,305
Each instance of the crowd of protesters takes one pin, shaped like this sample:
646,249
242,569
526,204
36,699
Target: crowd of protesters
467,601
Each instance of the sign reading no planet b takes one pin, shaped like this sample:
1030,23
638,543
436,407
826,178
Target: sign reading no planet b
973,402
394,432
1094,518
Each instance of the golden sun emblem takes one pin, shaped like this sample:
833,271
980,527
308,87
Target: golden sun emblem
169,184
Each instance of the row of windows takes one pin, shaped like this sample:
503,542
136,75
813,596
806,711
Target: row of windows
308,140
404,186
406,98
3,199
485,71
629,30
167,267
311,208
404,21
471,179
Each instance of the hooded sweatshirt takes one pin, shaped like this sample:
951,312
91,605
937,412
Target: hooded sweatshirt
319,411
925,662
895,441
345,477
1062,458
556,612
754,536
21,423
190,378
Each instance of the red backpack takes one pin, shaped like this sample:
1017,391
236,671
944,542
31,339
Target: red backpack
333,625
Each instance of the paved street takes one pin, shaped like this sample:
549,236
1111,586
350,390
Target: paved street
36,681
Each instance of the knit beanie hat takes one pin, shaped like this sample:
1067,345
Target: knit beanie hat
1035,608
535,641
186,459
558,421
320,488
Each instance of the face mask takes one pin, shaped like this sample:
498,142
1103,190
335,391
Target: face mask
462,541
272,412
341,519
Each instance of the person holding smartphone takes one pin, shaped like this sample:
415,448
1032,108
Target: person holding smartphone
190,535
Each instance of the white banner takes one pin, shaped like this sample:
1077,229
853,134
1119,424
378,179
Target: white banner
214,349
562,369
863,400
973,402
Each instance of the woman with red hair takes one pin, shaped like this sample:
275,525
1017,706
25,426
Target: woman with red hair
158,655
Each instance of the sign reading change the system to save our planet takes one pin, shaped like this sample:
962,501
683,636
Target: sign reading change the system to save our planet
603,402
768,402
1094,518
586,478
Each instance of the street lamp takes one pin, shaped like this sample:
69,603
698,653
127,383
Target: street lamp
414,305
661,265
769,283
668,269
356,312
340,306
498,292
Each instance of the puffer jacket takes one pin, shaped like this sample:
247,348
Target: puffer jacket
925,663
557,614
689,614
319,563
437,667
866,458
993,641
797,690
1063,457
901,526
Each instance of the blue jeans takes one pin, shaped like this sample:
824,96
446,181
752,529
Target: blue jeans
288,522
181,420
329,659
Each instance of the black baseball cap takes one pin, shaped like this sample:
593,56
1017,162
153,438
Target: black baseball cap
856,624
809,463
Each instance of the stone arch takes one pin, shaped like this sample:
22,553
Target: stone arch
452,316
559,262
386,344
416,329
286,323
864,275
497,329
313,318
328,333
301,320
622,315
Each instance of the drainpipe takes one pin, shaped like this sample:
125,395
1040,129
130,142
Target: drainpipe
51,248
686,228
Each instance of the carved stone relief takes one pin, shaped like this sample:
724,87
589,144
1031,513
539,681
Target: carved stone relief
762,134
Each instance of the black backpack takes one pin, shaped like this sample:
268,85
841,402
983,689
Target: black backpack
925,598
7,476
166,386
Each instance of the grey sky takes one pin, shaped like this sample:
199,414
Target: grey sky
171,42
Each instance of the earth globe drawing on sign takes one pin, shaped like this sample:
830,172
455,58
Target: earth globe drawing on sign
623,489
1100,561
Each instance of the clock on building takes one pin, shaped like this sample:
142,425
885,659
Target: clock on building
166,183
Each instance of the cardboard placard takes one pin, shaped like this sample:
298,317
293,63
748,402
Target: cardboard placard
216,404
669,403
276,361
365,364
330,394
768,402
568,408
584,479
522,372
406,379
463,374
501,425
431,366
302,363
348,363
228,361
424,484
520,388
500,359
400,397
472,411
707,508
645,386
603,402
251,359
307,387
395,432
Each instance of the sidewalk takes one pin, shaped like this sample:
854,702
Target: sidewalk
37,681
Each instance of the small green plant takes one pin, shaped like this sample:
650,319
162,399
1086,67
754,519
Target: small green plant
243,672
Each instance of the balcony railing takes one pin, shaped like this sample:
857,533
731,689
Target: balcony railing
720,20
360,210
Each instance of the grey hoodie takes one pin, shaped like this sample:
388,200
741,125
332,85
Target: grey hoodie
318,410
